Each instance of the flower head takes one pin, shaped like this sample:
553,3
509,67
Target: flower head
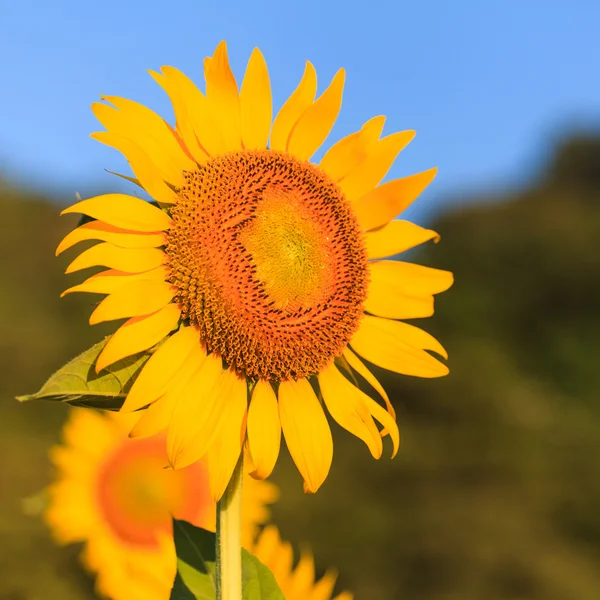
258,272
113,494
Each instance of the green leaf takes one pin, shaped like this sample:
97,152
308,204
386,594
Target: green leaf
196,568
195,562
179,590
257,580
78,384
193,584
194,545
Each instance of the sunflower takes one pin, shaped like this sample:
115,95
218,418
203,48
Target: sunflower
296,583
114,494
259,272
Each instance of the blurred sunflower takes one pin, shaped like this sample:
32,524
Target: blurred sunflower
296,583
113,494
261,268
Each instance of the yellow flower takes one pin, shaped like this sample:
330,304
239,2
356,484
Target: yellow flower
114,494
260,268
296,583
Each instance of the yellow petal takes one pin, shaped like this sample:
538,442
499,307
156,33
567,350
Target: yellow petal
162,368
205,128
411,279
362,370
387,421
141,164
281,563
124,238
267,544
396,237
396,346
399,290
350,152
196,416
136,298
183,113
383,301
387,201
153,419
278,557
149,131
345,404
374,168
342,596
256,104
98,439
138,334
111,280
323,589
130,260
70,512
223,98
157,417
224,452
302,578
314,125
123,211
306,432
264,429
409,334
287,117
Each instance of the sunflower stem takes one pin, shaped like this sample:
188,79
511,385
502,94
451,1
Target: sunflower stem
229,538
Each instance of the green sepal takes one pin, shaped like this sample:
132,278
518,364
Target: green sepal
78,384
196,568
126,177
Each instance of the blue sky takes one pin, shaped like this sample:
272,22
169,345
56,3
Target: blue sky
487,84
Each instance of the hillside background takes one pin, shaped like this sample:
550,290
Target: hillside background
495,493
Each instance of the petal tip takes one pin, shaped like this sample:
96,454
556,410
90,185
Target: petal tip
310,489
442,369
217,493
428,176
104,359
95,319
260,473
309,68
68,210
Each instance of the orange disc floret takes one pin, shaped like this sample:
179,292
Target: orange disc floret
137,497
269,263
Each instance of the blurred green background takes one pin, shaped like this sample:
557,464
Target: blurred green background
495,493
